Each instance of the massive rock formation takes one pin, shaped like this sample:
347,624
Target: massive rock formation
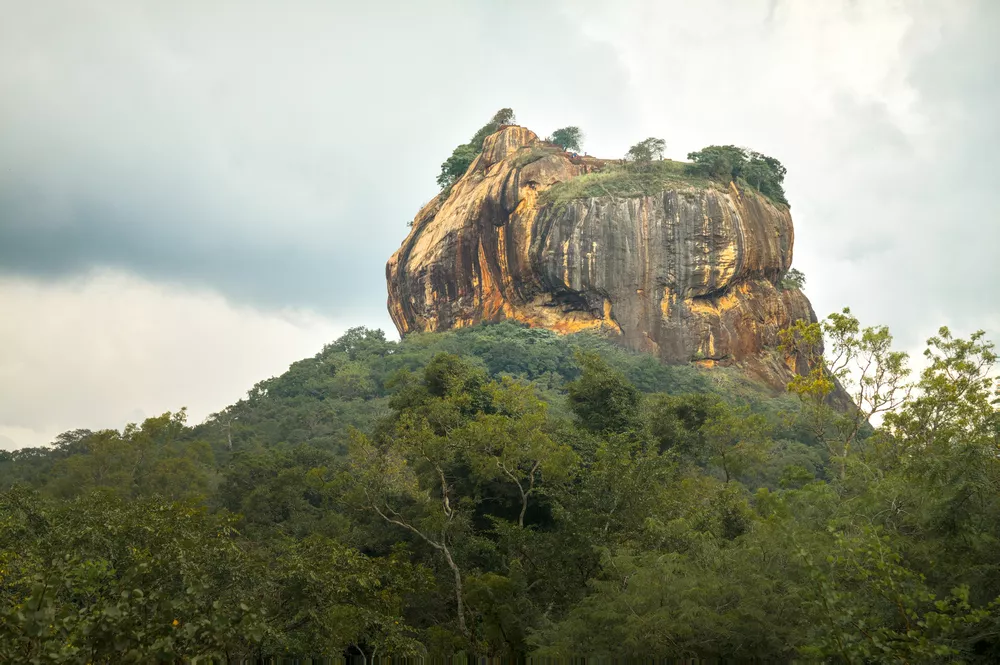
690,273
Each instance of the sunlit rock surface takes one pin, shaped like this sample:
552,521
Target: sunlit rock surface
689,274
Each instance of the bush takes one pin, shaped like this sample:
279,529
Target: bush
462,157
567,138
793,279
643,152
728,163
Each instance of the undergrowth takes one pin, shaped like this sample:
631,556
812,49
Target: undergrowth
627,182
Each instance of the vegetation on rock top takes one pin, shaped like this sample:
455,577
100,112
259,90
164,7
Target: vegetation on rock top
462,156
642,172
623,181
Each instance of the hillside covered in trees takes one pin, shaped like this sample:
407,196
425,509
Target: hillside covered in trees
502,491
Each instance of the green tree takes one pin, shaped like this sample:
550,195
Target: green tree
736,440
101,580
862,362
730,163
602,398
645,151
462,157
793,279
720,162
406,475
512,445
567,138
873,608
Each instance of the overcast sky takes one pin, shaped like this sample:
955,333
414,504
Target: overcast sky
195,194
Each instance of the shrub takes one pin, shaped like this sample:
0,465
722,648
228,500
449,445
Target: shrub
567,138
727,163
643,152
462,157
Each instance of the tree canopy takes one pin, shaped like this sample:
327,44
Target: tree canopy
793,279
729,163
502,491
567,138
462,156
645,151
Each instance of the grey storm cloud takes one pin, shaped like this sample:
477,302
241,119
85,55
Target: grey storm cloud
194,194
271,151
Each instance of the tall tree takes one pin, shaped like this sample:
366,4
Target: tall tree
602,398
645,151
862,360
567,138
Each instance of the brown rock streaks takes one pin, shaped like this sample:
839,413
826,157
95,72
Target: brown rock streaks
689,273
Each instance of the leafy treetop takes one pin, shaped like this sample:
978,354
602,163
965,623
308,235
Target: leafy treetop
793,279
730,163
645,151
462,157
567,138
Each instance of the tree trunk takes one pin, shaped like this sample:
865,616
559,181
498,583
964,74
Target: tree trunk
458,589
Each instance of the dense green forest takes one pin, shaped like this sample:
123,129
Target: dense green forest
503,491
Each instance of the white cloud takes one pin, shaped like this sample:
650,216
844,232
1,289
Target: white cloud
886,222
112,348
270,153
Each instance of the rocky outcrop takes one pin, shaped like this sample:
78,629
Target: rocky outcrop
690,273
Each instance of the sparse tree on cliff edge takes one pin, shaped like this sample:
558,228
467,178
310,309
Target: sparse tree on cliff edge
728,162
793,279
644,152
462,157
567,138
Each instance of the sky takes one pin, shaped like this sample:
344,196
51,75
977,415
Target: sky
195,194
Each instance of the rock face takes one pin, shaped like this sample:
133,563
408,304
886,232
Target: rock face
689,274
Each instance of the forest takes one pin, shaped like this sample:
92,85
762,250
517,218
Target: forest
502,491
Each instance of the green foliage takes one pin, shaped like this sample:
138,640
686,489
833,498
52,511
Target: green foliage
603,400
793,279
626,181
645,151
97,579
729,163
567,138
462,157
501,491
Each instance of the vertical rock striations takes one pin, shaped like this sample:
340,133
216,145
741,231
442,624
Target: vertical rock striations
689,273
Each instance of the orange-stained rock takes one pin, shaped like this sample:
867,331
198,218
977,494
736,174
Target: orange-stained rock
689,274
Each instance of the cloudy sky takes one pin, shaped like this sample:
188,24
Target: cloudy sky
195,194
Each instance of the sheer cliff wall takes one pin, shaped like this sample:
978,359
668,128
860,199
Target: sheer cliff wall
690,273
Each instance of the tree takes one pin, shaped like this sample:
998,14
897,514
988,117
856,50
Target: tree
643,152
793,279
462,157
873,608
405,483
735,439
676,422
407,475
457,164
730,163
602,398
512,445
862,360
720,162
99,579
567,138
